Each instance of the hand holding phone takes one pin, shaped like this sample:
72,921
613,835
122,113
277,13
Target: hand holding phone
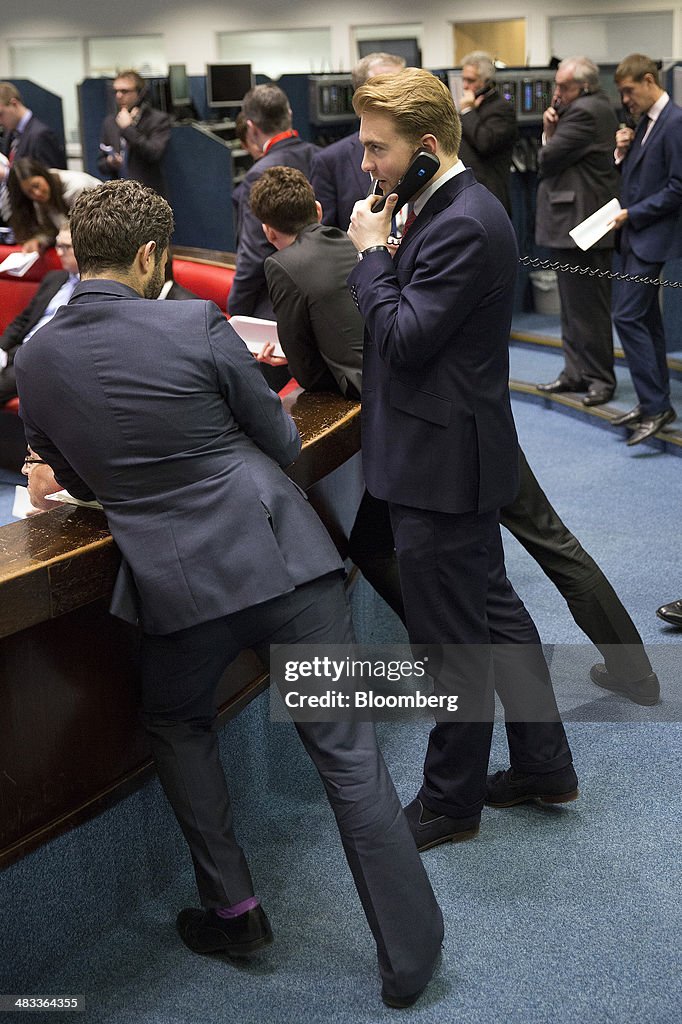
420,171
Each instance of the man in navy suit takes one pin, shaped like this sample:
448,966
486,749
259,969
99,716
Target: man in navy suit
337,176
439,445
649,233
221,551
24,133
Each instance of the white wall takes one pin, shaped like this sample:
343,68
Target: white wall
190,29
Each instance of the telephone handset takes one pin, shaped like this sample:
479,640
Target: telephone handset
422,168
490,87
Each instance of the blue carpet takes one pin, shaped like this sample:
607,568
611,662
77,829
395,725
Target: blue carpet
567,914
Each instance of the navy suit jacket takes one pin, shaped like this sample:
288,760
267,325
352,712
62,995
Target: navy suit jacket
652,190
186,461
249,292
437,427
40,143
339,181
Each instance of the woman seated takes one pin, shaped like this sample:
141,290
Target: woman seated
40,199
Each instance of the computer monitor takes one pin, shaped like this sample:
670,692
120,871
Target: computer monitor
227,84
178,83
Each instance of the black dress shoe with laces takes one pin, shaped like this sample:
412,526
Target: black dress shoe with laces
430,829
628,419
597,395
505,789
671,613
555,387
650,426
645,691
205,932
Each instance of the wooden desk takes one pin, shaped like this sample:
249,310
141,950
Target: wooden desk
69,735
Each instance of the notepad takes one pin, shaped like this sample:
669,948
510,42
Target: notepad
17,263
589,231
255,332
68,499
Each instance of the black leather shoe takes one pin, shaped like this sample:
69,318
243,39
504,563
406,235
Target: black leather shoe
555,387
597,395
671,613
628,418
400,1002
430,830
650,426
504,789
645,691
204,932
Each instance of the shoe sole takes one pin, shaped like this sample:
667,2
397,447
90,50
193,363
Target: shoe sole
459,837
241,952
545,798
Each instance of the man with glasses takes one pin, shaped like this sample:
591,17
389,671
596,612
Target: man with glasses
134,139
577,177
55,291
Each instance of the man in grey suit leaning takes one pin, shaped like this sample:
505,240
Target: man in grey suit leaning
577,177
221,551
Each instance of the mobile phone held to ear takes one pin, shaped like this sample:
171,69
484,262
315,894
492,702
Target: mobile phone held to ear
422,168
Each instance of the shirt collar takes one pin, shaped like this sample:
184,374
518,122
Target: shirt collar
163,294
655,109
23,122
431,189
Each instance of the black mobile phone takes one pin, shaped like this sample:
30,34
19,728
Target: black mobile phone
422,168
485,90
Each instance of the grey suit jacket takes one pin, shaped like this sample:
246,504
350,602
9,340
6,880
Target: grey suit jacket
319,326
577,171
186,461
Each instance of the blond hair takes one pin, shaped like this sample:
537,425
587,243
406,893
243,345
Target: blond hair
417,102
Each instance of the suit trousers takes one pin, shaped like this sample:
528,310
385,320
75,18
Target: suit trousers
586,330
179,675
372,548
637,318
456,592
592,601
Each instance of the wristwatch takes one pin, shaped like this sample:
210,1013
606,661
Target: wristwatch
372,248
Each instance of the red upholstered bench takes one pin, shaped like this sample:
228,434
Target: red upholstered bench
208,278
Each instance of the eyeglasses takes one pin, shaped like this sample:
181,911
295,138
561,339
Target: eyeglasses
63,246
125,90
31,461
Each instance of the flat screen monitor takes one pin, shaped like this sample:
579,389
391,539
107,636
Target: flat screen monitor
227,84
178,84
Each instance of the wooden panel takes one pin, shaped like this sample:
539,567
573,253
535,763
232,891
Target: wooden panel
503,40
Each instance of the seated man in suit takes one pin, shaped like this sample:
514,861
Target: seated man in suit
54,291
221,551
337,175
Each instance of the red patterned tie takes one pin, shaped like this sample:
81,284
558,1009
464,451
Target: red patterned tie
411,218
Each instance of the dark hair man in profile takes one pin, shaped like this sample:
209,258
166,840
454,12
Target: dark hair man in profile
269,128
337,175
221,551
439,444
135,138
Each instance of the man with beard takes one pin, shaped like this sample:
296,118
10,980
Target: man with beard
165,418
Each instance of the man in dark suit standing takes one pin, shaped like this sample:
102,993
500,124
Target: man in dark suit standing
489,128
337,176
24,134
439,445
269,128
55,290
221,551
577,177
649,232
134,139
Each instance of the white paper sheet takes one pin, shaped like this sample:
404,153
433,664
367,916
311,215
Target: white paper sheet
255,331
17,263
595,227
